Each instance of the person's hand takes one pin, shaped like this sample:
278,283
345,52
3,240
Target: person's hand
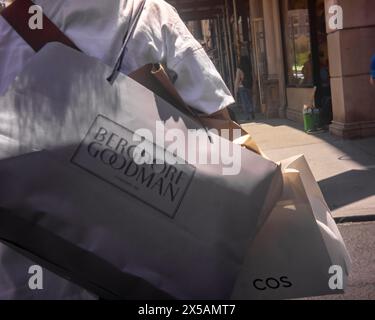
372,81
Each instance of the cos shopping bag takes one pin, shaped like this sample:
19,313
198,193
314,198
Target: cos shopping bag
73,197
292,255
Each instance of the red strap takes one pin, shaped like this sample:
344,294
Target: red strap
17,15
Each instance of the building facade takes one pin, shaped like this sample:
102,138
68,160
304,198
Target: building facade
297,57
316,55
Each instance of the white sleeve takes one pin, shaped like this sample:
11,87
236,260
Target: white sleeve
198,82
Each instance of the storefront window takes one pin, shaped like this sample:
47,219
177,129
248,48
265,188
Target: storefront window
297,43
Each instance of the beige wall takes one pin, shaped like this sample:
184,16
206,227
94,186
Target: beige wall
289,101
350,51
274,84
297,98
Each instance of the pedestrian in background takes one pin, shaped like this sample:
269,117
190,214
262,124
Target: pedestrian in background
243,85
372,77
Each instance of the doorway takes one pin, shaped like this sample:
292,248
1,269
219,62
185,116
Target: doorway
323,97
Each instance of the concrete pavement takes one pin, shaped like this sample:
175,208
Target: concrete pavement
345,169
360,241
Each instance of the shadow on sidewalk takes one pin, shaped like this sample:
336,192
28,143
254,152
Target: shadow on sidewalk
351,185
348,187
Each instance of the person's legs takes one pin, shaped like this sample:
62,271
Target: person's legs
242,100
251,106
246,102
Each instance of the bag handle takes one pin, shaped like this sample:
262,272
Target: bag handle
116,69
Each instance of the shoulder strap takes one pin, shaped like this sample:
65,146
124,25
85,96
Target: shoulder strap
18,16
127,37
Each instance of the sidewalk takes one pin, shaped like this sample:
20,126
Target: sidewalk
359,239
345,169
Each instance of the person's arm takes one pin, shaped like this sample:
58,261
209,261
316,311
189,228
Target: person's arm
372,77
237,82
198,82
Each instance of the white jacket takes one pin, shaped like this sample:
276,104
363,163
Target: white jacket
98,27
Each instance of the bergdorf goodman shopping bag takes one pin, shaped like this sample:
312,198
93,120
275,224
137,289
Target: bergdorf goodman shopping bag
293,254
74,198
22,279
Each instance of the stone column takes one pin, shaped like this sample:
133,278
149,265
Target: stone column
350,51
274,84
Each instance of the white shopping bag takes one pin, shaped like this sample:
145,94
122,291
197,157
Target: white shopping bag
23,279
69,182
299,252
